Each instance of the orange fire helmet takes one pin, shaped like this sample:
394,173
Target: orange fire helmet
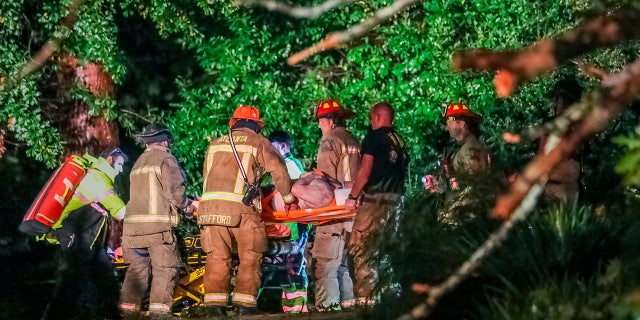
248,113
459,109
332,107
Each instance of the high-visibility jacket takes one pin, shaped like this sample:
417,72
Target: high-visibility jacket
224,186
96,187
339,155
157,192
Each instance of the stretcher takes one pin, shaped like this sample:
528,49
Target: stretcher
314,216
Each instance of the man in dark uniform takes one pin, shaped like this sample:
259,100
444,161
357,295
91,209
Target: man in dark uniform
380,184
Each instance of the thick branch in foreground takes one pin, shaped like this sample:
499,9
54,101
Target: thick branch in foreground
547,54
616,93
356,32
296,12
2,147
53,45
558,126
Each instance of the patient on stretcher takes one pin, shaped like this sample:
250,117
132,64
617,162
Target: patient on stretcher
313,190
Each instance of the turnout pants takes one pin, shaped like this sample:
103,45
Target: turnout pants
370,216
154,255
333,287
218,242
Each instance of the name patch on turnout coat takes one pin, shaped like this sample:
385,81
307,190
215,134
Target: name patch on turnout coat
226,220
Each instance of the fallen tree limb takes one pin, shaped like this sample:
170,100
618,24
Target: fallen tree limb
296,12
545,55
43,55
335,39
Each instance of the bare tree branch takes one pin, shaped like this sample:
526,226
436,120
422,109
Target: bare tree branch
296,12
53,45
591,70
353,33
558,126
616,92
137,115
545,55
2,147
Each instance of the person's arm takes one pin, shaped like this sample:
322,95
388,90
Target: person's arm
274,164
349,162
362,177
114,205
99,189
173,185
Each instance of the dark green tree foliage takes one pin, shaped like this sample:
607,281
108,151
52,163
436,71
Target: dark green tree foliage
405,62
27,268
220,56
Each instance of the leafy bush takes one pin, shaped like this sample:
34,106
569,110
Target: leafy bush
565,262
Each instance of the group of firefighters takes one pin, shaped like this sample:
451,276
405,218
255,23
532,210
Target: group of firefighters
229,211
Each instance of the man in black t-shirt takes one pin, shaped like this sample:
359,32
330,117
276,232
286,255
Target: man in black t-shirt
379,183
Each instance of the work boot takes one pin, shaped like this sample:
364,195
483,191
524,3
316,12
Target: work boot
247,311
160,316
131,315
330,308
215,311
206,311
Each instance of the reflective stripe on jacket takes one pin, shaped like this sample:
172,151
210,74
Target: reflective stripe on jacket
95,187
339,155
157,191
224,185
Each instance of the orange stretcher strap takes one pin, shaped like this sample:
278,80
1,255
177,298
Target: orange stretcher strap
310,216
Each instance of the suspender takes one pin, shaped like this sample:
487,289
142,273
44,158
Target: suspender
253,189
235,154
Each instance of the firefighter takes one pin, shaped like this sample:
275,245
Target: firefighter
149,245
87,286
379,184
339,157
229,213
466,167
470,158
